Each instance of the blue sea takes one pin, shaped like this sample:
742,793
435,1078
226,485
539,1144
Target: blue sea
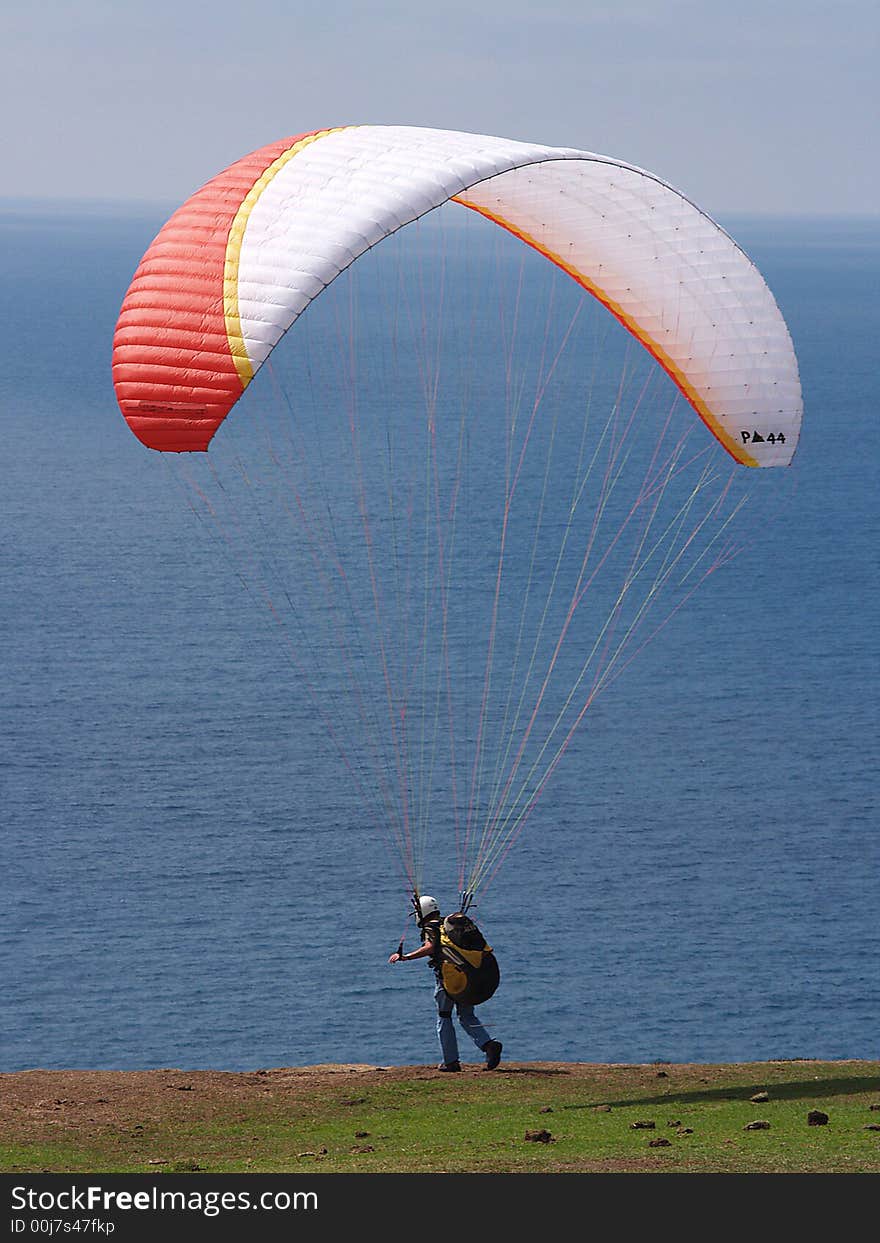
190,877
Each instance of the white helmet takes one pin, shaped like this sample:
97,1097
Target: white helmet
428,906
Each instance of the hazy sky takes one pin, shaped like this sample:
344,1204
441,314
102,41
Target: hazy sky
746,105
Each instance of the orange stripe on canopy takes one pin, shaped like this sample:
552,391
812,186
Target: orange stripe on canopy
733,447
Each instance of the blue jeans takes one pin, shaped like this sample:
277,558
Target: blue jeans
446,1030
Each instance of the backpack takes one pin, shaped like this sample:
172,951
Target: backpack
468,970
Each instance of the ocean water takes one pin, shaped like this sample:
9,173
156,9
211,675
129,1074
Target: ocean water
189,878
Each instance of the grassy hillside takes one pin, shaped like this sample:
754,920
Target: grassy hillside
360,1118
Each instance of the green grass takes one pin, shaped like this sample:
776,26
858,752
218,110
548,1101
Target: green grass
415,1120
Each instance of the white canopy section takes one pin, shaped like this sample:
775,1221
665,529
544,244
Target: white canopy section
666,270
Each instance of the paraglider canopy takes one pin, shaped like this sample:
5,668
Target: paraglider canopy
238,263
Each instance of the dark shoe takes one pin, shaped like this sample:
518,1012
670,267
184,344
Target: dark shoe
492,1049
449,1066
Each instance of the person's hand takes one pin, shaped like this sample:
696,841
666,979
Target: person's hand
395,957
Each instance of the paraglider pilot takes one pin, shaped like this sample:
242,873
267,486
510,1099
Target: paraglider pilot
429,919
